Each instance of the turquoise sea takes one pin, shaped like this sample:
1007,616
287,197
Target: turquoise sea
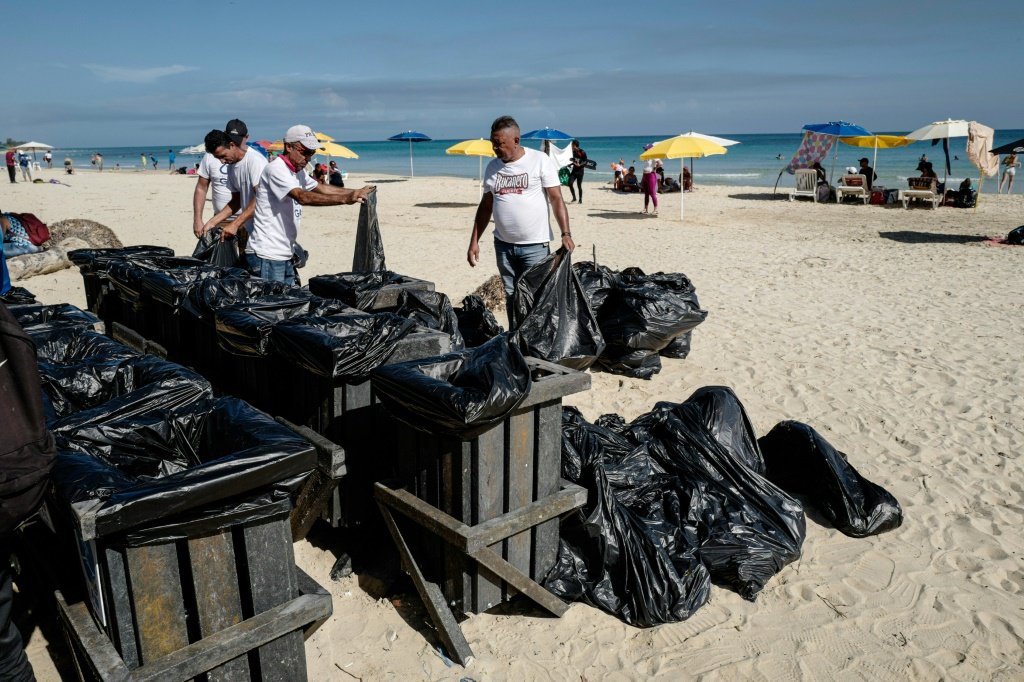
752,162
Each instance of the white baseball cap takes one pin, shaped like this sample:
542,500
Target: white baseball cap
304,135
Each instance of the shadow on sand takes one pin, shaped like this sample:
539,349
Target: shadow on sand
620,215
911,237
759,196
383,181
445,204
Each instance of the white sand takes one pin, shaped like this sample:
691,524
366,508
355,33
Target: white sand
895,333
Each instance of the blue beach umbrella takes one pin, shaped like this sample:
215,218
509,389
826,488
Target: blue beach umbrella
410,136
837,129
546,133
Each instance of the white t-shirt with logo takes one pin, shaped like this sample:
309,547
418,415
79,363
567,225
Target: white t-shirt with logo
520,203
245,175
217,173
276,223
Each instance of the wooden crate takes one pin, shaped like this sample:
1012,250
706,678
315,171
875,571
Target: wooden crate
505,470
231,602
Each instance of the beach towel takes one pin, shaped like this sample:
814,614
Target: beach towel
979,147
814,147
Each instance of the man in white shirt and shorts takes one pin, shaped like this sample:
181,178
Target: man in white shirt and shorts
282,192
244,169
518,187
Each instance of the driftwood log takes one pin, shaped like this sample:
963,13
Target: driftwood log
65,235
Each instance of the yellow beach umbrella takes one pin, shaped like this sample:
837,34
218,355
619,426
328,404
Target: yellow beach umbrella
480,147
334,149
323,137
683,147
877,142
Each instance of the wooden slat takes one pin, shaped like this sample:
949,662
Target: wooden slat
120,621
95,649
442,525
524,518
218,602
547,473
519,483
157,596
556,383
489,503
270,562
522,583
444,622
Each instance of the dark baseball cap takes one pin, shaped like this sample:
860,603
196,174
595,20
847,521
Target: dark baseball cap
236,130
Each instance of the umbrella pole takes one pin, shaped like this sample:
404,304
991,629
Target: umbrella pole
480,165
411,173
682,194
981,181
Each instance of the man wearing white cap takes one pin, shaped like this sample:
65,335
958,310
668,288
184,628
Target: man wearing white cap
284,189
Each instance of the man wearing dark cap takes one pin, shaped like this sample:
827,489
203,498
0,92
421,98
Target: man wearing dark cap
283,190
868,172
244,169
213,174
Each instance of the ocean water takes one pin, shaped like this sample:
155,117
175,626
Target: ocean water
752,162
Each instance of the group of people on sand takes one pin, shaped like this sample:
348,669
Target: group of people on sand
652,182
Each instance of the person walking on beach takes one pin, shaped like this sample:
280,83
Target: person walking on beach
519,186
579,158
284,189
143,156
99,162
649,186
245,169
12,162
171,157
48,158
1010,165
152,157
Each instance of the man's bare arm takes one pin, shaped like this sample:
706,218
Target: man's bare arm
480,222
561,216
198,199
326,195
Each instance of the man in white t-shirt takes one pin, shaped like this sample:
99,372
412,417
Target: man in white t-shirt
282,192
245,168
214,174
518,187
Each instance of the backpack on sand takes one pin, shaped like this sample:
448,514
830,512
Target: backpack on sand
26,447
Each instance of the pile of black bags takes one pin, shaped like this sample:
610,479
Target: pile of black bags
686,495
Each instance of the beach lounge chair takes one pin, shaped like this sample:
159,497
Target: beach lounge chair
922,189
853,186
806,184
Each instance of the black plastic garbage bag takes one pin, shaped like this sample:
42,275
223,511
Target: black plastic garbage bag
477,324
1016,236
597,281
18,296
94,260
216,251
121,472
369,252
624,552
430,309
801,462
211,294
34,317
71,345
246,328
126,274
747,527
342,346
461,394
679,347
171,286
98,379
553,320
357,289
638,364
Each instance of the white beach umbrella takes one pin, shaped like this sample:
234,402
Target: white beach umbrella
720,141
32,147
941,129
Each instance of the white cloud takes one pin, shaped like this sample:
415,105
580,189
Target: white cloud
130,75
332,99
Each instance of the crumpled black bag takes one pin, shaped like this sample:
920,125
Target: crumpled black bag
96,260
246,328
433,310
369,251
212,294
624,552
1016,236
18,296
747,527
70,345
802,462
128,470
342,346
172,286
552,318
33,317
477,324
460,394
126,274
597,281
357,289
216,251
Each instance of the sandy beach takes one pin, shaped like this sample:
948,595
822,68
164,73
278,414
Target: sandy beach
896,333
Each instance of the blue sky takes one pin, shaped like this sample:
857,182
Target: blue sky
138,73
